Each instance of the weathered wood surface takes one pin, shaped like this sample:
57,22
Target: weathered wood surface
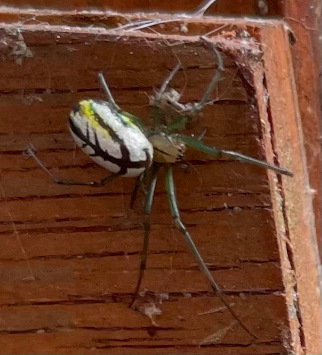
70,255
297,208
304,18
220,7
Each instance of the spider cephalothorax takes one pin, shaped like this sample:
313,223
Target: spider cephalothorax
167,148
121,143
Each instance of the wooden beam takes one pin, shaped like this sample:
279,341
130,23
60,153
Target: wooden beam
304,19
220,7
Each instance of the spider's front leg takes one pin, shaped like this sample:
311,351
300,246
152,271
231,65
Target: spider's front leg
181,227
167,98
198,107
197,144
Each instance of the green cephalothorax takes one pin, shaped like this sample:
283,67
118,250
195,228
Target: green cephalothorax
110,138
120,142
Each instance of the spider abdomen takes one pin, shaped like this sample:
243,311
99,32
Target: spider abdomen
111,139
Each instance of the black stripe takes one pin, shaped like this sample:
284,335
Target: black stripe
125,156
123,148
124,163
161,151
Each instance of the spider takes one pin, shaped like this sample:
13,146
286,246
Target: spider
120,142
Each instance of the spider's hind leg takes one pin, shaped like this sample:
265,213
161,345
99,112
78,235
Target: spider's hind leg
147,214
134,193
30,151
181,227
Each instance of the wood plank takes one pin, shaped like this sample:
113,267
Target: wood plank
298,246
254,247
304,19
221,7
67,249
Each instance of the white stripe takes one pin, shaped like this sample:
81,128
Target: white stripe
98,160
106,143
133,138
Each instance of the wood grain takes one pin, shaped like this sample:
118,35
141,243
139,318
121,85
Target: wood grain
70,255
304,19
220,7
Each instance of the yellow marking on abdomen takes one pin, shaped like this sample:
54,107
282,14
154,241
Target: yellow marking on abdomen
86,111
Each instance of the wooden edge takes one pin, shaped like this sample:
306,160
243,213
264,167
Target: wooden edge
249,7
292,197
244,8
121,22
304,19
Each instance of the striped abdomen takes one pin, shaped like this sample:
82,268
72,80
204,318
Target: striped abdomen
112,140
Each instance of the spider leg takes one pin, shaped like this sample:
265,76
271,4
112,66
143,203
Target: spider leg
157,100
193,108
166,82
147,214
203,8
205,98
181,227
108,93
136,187
31,152
115,107
196,143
